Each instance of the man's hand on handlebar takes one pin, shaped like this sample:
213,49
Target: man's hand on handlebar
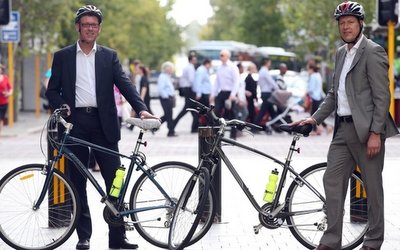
303,122
147,115
65,110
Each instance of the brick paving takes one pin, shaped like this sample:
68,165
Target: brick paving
20,145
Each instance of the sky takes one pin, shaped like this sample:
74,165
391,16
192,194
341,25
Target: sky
186,11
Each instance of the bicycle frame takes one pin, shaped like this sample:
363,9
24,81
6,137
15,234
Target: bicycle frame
136,160
216,150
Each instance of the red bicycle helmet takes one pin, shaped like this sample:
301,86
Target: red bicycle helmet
88,10
349,8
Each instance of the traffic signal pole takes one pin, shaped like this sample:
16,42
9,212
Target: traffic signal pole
11,77
391,27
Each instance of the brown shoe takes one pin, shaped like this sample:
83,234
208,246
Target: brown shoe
323,247
367,248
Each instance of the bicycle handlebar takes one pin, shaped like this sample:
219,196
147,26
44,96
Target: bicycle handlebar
203,110
59,115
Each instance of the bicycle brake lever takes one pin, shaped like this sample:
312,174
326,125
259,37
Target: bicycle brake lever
193,110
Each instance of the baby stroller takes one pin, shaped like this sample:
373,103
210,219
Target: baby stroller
284,102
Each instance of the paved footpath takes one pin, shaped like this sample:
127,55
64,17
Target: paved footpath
21,144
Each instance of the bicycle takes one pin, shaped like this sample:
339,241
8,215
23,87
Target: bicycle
39,207
303,207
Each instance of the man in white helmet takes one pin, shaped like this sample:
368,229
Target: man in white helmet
360,99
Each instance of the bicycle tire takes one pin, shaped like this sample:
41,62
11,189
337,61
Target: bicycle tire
22,227
308,228
189,210
153,225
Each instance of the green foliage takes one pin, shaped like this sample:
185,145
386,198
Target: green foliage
135,28
257,22
304,26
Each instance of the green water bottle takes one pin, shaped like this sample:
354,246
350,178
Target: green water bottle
117,182
271,186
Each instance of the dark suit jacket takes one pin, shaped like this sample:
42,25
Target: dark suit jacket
61,88
367,90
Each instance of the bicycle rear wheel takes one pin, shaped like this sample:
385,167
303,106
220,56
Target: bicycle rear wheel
153,224
189,210
47,227
309,226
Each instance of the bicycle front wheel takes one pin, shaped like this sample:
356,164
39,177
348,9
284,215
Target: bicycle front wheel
189,210
308,220
47,227
153,224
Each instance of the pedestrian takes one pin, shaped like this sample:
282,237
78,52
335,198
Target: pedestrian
280,80
251,91
144,86
186,82
360,99
5,91
225,88
167,95
202,83
82,81
267,86
202,88
240,105
316,93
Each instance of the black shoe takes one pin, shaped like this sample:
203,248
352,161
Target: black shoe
172,134
124,244
83,244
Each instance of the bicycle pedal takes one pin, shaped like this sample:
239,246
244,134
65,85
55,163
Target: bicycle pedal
257,228
129,226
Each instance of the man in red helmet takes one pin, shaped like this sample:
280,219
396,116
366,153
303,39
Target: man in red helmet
82,80
360,99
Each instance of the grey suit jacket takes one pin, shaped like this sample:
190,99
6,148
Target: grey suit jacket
108,70
367,90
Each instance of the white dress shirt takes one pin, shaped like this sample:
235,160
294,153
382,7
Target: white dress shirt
343,103
265,81
85,90
227,79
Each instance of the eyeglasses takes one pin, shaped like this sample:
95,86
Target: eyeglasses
90,25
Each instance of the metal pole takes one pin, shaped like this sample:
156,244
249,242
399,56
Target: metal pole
205,137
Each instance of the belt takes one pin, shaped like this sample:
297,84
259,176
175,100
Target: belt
88,110
346,118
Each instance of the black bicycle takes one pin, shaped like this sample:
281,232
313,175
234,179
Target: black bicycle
302,210
39,204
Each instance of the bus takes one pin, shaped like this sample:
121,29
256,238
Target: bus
211,49
244,52
277,55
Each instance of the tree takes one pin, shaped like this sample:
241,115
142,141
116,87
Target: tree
251,21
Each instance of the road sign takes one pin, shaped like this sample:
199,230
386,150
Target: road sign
11,31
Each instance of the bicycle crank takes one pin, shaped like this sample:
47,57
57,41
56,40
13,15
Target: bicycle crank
270,223
111,219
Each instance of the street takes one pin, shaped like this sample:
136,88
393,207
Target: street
21,145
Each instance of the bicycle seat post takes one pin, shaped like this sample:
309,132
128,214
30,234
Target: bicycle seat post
292,149
139,142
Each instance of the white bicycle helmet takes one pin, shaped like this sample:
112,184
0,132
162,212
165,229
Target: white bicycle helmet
88,10
349,8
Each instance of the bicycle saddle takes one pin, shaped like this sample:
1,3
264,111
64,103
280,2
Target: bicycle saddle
304,129
146,124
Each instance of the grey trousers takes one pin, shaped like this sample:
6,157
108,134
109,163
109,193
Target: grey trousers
344,154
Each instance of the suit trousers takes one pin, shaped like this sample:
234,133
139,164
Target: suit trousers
344,154
188,94
87,126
